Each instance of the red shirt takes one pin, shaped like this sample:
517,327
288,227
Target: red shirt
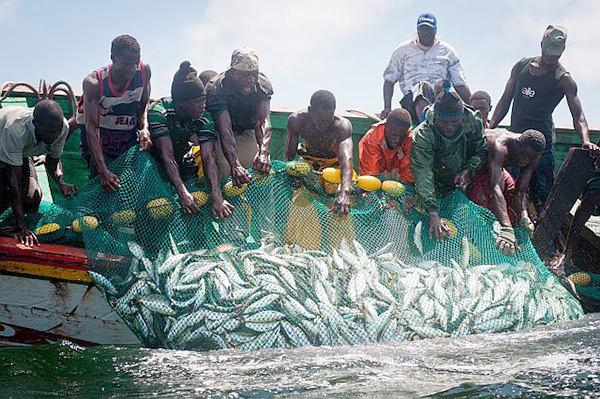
375,158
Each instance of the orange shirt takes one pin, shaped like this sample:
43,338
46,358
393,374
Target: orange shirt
375,158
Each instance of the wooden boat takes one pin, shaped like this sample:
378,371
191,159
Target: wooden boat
46,293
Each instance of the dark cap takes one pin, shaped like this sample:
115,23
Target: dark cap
448,103
554,40
427,19
186,84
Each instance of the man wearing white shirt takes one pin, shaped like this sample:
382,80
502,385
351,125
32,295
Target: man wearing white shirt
25,133
423,58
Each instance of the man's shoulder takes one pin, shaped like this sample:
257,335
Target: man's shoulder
404,46
15,114
265,84
160,109
216,84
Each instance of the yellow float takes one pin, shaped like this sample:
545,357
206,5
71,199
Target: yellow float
580,278
89,222
201,197
159,208
368,183
123,217
47,229
298,168
229,190
393,188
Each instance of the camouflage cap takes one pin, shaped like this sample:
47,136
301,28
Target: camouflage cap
244,59
554,40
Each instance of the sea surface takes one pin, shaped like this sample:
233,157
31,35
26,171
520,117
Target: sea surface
561,360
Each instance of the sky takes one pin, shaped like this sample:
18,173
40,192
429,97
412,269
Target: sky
338,45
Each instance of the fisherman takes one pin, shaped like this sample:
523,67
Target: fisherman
482,102
173,123
327,141
112,113
239,100
25,133
385,149
495,189
423,58
447,150
537,85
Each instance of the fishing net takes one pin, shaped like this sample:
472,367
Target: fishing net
284,271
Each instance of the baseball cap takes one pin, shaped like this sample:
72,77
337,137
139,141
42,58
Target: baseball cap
427,19
244,59
554,40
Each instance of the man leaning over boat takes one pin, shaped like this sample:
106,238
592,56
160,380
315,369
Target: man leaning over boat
239,100
25,133
176,121
327,142
112,114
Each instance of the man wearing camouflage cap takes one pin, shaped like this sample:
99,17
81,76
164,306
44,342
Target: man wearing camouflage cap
537,85
239,100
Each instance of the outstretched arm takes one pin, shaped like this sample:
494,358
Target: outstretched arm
497,186
579,122
239,175
91,108
220,207
388,93
344,152
143,134
164,144
55,170
263,130
24,235
507,97
291,142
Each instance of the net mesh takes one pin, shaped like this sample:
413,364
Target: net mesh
284,271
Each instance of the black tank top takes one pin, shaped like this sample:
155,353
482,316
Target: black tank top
535,98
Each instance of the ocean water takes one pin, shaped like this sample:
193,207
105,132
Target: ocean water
561,360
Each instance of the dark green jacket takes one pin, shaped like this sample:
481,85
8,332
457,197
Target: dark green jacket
435,160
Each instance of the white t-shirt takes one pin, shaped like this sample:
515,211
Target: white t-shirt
411,64
17,137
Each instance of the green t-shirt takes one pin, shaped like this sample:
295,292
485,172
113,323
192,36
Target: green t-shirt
163,121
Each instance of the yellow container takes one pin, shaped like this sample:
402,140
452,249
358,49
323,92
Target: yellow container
332,175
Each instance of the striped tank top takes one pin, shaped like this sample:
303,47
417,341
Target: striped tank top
118,112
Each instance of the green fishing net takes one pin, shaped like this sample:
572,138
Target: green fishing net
284,271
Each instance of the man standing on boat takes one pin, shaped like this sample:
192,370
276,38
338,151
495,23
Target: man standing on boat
535,87
176,121
239,100
495,189
25,133
423,58
327,141
447,150
112,113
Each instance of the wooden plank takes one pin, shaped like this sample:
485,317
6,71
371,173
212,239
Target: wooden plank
572,178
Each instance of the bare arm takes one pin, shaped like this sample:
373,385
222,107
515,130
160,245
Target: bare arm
291,142
239,175
220,207
344,153
164,144
24,235
388,93
464,92
523,181
497,185
143,134
91,107
579,122
263,131
54,169
506,99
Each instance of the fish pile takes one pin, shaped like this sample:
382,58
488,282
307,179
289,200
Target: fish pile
281,295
